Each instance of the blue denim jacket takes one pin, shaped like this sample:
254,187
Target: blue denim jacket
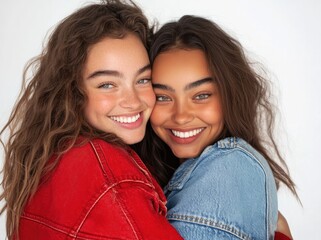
229,192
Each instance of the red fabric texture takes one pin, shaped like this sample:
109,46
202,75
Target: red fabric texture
97,191
281,236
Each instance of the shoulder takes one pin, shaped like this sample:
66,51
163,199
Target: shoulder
81,161
86,151
227,171
229,182
233,156
91,146
88,159
229,160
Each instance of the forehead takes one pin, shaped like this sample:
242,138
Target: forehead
117,54
180,65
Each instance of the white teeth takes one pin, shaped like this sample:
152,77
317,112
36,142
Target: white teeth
125,119
187,134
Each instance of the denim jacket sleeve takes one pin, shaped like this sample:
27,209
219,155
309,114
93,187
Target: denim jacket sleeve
227,193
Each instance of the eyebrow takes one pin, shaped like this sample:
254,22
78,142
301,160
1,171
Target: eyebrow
198,83
187,87
115,73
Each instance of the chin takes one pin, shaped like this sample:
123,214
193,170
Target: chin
131,141
132,137
185,155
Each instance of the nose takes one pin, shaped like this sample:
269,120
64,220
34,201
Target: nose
130,99
182,113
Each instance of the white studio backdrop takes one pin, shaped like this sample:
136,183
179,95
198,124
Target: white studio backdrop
284,36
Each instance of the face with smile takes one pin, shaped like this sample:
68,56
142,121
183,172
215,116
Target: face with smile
117,81
188,113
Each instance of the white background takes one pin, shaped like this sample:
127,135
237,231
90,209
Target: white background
283,35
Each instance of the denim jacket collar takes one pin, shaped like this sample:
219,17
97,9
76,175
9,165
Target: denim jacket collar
183,172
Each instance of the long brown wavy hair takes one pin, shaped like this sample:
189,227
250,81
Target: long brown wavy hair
246,97
48,116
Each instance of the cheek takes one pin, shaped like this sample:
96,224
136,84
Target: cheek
156,124
147,96
97,103
212,111
150,98
157,116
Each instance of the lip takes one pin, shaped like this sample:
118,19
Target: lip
129,121
185,139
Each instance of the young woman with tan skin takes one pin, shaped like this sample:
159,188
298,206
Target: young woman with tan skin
214,114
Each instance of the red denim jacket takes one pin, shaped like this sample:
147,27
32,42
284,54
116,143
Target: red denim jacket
97,191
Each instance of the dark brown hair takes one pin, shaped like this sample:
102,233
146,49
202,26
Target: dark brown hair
48,116
247,108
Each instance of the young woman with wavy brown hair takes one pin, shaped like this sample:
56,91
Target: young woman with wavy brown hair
68,171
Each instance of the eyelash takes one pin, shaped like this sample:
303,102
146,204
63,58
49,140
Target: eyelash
145,81
207,95
112,85
164,98
106,84
199,97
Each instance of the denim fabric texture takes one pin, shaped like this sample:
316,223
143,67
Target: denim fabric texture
228,192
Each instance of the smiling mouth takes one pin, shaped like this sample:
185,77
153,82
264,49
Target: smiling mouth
125,119
187,134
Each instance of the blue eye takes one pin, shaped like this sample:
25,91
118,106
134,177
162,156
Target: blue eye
144,81
203,96
106,85
162,98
